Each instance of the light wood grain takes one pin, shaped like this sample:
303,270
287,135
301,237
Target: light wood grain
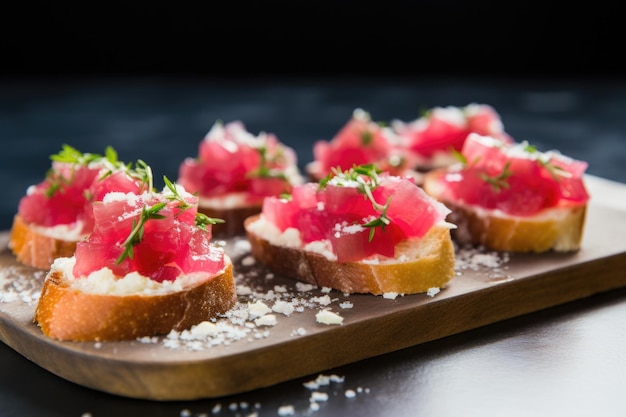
373,326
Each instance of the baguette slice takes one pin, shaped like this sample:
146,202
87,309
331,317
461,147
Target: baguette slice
559,229
36,249
233,217
68,312
419,265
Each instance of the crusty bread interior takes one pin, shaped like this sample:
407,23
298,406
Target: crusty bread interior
419,264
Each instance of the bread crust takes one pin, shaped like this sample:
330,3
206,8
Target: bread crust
65,313
35,249
558,229
429,264
233,219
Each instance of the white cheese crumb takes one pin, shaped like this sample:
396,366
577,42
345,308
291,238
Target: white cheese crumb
350,393
248,261
258,309
266,320
317,396
432,291
304,287
328,317
390,295
300,331
346,304
323,300
286,410
283,307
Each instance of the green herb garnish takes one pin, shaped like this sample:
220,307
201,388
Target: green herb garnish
137,231
355,175
264,170
500,181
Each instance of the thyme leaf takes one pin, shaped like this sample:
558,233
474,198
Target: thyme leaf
500,181
202,220
357,174
137,231
265,164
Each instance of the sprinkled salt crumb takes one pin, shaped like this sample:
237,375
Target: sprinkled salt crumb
323,380
313,406
243,290
346,304
185,413
350,393
248,261
216,408
266,320
323,300
97,345
243,245
317,396
390,295
283,307
326,289
474,258
432,291
304,287
258,309
203,329
328,317
280,288
286,410
300,331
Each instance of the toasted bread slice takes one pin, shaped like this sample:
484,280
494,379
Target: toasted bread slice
77,310
559,228
33,248
419,264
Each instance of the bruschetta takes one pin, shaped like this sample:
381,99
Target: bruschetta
513,197
357,231
235,170
56,213
149,266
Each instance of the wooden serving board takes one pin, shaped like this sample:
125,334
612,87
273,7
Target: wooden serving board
241,356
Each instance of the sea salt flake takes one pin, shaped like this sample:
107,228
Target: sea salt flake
266,320
304,287
323,300
317,396
328,317
283,307
286,410
433,291
258,309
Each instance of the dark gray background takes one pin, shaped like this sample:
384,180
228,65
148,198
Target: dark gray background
162,120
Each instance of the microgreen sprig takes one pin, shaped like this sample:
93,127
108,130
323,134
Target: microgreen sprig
357,174
500,181
264,170
556,172
202,220
137,231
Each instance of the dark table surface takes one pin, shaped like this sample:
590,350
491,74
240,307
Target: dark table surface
566,360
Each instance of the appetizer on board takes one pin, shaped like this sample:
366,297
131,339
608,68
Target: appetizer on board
148,267
357,231
235,170
513,197
56,213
